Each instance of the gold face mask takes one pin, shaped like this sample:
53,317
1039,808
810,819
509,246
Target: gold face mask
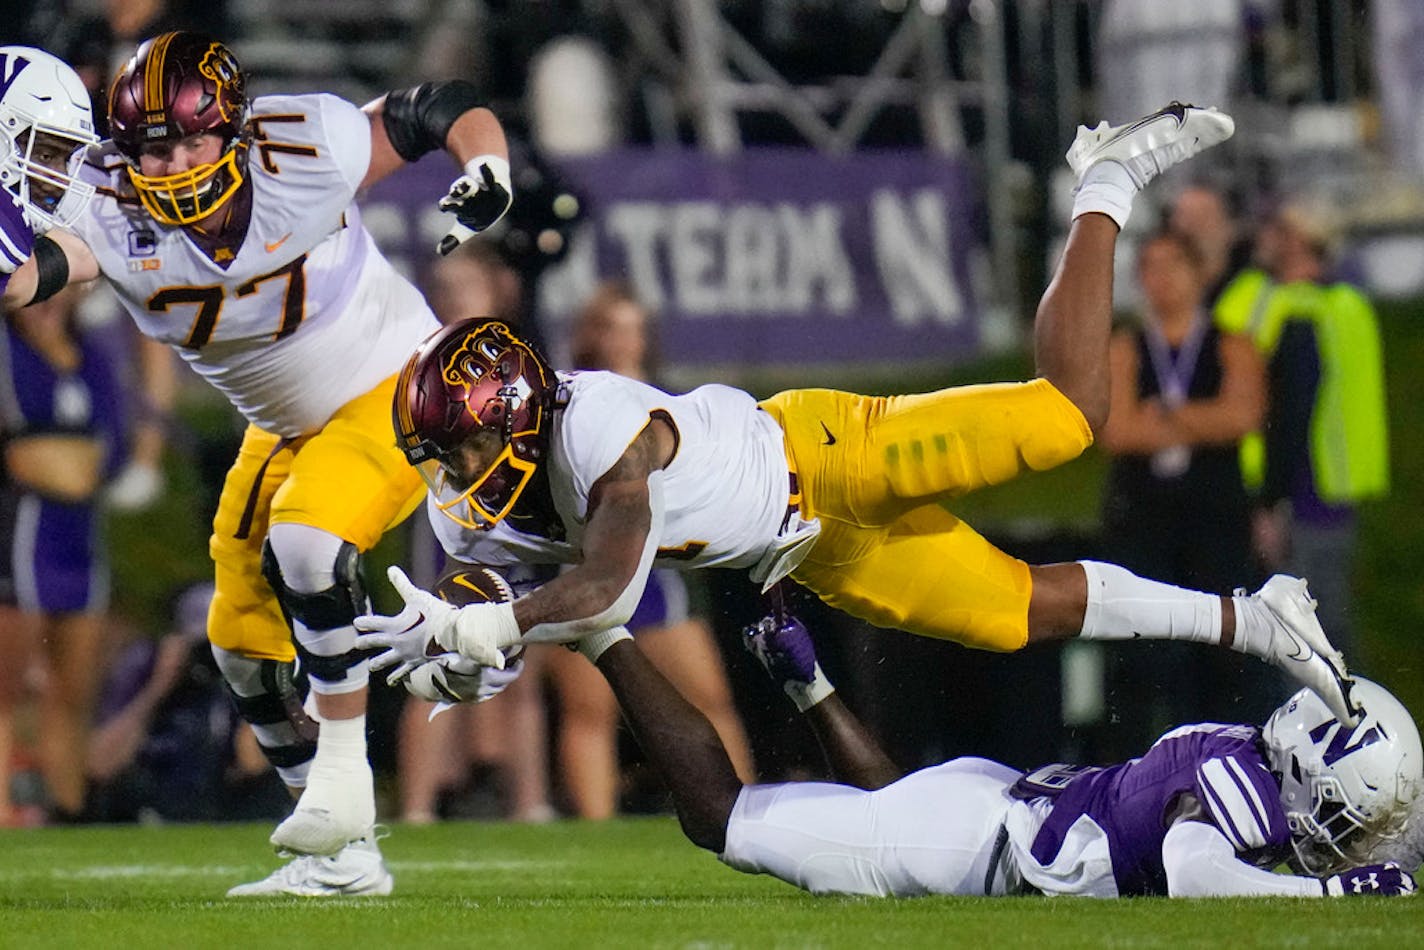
189,195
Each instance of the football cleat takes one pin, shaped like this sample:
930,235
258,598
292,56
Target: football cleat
1151,145
357,870
784,648
1299,646
338,806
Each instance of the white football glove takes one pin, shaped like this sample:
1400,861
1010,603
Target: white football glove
428,627
477,199
450,679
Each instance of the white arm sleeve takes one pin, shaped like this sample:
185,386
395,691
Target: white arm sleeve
1200,862
621,610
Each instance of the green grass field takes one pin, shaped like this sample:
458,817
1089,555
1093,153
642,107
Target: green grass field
626,883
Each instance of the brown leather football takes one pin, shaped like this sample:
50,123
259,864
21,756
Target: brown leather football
468,584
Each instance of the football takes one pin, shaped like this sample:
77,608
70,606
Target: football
473,585
463,681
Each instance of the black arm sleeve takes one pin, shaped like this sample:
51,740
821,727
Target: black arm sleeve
1294,379
418,120
51,269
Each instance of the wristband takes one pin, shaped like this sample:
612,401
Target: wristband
593,645
497,165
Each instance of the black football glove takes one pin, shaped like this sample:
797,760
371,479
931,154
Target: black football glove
477,199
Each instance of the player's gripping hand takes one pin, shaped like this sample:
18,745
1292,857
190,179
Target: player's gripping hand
1385,880
427,627
450,679
17,239
477,199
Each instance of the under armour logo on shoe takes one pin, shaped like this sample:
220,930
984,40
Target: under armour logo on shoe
1368,883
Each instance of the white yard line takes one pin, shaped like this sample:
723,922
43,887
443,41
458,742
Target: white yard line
130,871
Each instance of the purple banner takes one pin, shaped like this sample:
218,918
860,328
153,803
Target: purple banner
771,257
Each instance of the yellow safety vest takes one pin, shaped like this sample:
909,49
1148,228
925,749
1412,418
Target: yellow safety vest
1349,425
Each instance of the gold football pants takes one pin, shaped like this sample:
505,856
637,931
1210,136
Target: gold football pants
348,478
876,470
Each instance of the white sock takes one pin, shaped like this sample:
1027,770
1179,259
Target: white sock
340,777
593,645
1123,606
340,740
1254,627
1106,188
806,695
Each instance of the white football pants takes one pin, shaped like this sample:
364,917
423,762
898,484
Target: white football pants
932,832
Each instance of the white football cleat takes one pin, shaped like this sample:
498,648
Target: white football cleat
1151,145
338,806
1299,645
357,870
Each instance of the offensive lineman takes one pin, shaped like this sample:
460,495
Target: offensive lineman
616,477
229,231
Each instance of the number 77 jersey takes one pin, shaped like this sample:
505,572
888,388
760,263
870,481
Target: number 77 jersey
291,317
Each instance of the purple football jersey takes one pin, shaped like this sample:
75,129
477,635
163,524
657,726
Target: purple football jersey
1222,766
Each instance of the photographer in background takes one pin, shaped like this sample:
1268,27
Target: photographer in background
167,743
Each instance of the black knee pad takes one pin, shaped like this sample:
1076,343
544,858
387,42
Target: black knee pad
281,690
336,606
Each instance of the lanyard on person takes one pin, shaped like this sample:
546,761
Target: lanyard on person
1174,373
1174,380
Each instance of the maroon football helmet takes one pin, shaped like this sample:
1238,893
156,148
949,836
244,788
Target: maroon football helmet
176,85
471,411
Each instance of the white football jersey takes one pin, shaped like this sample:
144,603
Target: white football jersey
307,315
725,492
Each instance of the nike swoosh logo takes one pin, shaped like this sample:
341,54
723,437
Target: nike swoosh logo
277,243
1176,111
419,619
830,439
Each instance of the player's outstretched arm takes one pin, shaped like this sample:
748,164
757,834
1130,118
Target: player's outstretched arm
680,741
59,259
783,646
408,123
1201,862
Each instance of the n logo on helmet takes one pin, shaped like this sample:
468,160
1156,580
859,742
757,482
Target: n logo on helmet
10,67
1340,744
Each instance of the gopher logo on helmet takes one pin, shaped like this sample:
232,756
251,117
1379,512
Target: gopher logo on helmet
219,65
488,351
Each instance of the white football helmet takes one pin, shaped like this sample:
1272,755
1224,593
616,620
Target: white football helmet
1345,790
44,108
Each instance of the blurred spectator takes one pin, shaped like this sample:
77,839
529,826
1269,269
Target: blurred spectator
97,46
1149,54
1183,395
59,416
1326,443
167,742
1398,58
574,105
474,281
1204,213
